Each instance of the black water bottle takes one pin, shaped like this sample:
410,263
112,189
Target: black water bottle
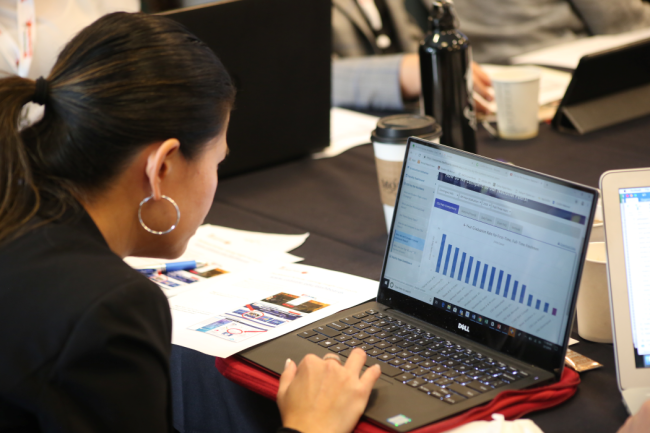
446,71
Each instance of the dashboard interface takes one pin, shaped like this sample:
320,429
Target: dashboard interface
635,220
486,250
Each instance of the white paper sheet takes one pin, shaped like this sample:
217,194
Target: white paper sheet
225,316
568,55
222,257
348,129
244,238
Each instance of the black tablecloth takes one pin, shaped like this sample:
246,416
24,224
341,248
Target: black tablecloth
337,201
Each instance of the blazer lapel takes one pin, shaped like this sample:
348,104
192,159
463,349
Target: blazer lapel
352,11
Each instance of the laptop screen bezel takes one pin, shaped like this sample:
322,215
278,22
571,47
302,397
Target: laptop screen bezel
554,362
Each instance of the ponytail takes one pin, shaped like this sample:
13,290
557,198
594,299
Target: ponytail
20,197
124,82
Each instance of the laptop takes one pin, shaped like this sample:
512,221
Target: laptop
278,53
477,292
626,207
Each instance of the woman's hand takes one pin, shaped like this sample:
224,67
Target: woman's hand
322,395
482,86
639,423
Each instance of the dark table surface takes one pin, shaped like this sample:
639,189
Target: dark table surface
337,201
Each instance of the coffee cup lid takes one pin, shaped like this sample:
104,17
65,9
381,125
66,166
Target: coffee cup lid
398,128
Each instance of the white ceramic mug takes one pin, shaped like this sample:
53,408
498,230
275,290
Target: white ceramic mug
594,315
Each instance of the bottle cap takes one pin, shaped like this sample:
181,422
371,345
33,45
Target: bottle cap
398,128
443,16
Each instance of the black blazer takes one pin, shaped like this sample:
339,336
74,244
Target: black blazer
84,339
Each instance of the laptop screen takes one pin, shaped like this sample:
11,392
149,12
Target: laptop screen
487,251
635,219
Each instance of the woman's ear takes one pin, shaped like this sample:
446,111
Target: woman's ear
159,164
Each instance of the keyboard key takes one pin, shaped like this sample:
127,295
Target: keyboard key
463,390
380,323
353,342
523,374
390,328
437,391
350,331
462,368
479,387
496,383
428,388
396,361
444,382
416,349
375,352
361,325
416,359
393,339
408,366
361,336
422,342
463,379
327,343
508,377
386,357
372,340
428,354
366,347
415,382
350,321
438,358
338,348
317,338
372,330
439,368
404,354
338,326
432,377
370,319
342,338
449,362
346,352
327,331
371,311
453,399
386,369
404,377
392,349
404,344
380,315
360,315
420,371
450,374
306,334
382,345
425,364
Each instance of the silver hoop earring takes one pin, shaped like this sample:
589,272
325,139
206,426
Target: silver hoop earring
156,232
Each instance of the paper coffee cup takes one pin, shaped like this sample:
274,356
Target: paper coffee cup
389,144
516,90
594,316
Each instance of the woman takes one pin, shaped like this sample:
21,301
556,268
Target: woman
124,162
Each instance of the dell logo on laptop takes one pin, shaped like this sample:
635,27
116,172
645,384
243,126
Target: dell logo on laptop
463,327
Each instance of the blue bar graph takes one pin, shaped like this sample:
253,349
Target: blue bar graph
442,250
453,264
491,279
499,283
462,265
444,272
475,266
469,270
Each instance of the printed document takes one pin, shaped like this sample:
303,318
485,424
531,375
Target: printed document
240,310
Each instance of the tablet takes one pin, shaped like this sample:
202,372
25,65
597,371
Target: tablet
626,208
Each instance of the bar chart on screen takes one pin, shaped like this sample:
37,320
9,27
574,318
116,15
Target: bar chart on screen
520,282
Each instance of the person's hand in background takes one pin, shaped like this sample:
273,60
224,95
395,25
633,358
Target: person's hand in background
411,84
640,422
323,395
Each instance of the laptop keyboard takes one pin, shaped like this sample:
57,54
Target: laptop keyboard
414,357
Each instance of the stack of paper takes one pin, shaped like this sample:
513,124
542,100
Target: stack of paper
348,129
250,290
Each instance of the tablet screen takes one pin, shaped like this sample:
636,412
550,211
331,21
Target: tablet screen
635,221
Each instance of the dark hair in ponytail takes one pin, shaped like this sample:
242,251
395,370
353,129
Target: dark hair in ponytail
124,82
